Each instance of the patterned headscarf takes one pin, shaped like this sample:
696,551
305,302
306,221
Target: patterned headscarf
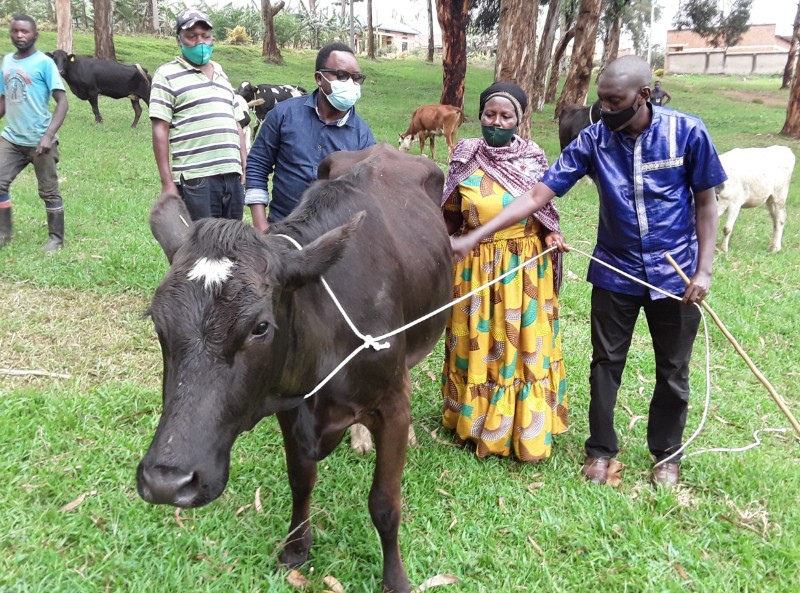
517,167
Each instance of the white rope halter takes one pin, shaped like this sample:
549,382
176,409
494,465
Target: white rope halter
377,343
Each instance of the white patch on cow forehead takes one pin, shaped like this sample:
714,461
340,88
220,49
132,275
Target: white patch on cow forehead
213,272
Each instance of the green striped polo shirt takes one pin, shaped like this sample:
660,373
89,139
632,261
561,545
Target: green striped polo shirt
202,114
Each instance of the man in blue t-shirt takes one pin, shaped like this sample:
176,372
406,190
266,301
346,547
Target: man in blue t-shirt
298,133
28,78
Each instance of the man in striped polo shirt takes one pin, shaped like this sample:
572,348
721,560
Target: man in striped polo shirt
195,117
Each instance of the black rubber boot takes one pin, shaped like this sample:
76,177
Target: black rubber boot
55,226
5,227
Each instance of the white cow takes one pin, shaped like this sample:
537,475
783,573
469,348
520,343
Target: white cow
756,176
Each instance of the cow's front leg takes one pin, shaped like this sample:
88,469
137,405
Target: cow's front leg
302,473
95,109
390,425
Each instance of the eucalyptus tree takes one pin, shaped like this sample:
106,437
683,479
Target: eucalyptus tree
580,68
544,55
64,23
453,18
788,70
104,30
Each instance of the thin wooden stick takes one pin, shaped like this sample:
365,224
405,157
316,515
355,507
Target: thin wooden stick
759,375
23,373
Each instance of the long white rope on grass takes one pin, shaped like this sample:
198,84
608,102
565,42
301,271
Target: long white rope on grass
379,343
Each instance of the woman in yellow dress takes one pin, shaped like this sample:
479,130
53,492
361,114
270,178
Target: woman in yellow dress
504,381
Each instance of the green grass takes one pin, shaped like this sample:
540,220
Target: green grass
499,525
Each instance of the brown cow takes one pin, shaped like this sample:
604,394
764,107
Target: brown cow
429,121
247,329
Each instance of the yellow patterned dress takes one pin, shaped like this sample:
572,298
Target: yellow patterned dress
504,381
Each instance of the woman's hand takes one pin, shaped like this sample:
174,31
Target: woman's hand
462,245
555,238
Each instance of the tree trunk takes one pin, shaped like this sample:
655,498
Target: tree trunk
791,126
611,46
104,30
453,19
555,72
430,32
370,32
155,25
269,46
580,67
543,55
516,44
788,71
64,24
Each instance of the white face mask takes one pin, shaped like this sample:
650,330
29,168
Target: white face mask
343,94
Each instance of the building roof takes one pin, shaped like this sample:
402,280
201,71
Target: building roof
388,24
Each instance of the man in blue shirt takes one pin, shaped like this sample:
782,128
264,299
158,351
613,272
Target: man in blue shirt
299,133
28,78
655,170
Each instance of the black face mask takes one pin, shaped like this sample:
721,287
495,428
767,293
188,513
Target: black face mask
616,120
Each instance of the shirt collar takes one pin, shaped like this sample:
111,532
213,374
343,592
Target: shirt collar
185,63
312,102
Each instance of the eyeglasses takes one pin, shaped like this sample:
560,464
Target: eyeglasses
344,75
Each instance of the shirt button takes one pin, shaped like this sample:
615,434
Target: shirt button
319,146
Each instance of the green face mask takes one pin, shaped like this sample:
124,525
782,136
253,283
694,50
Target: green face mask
495,136
198,54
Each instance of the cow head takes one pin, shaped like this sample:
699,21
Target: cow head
223,321
247,91
62,60
405,141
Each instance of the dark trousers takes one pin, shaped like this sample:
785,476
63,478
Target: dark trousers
673,329
216,196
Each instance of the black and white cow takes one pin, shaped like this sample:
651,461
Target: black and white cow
270,94
247,329
88,78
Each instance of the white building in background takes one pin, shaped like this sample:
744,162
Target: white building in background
760,51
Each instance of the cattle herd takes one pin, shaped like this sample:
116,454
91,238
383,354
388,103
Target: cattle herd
88,78
226,365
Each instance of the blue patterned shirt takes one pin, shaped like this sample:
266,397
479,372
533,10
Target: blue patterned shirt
646,187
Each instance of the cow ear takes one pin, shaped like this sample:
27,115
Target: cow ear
170,223
71,57
303,266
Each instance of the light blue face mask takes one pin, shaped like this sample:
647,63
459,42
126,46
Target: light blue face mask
344,94
198,54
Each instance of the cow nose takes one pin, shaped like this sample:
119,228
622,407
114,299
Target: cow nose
168,485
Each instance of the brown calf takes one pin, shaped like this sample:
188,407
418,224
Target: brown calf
429,121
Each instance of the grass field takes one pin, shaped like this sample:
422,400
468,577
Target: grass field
70,518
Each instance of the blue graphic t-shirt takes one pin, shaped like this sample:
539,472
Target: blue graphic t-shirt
27,86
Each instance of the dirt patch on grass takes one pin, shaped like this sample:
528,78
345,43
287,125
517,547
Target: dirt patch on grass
90,337
758,97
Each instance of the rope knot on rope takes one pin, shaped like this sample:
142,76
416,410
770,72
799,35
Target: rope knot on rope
371,342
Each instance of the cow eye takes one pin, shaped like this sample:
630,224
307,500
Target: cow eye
260,330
